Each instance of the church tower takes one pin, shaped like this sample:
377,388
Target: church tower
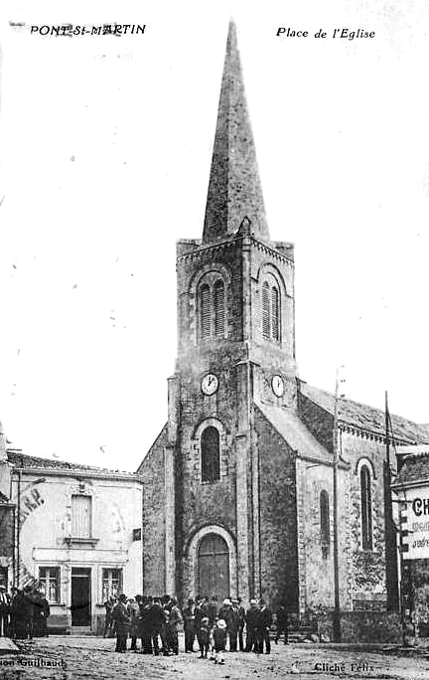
238,490
235,348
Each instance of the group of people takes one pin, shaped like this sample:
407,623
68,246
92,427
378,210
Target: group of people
216,628
24,613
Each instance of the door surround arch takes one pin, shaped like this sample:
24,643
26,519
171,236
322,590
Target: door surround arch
192,555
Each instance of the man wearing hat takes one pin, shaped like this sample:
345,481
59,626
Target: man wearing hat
226,613
122,623
190,625
4,611
239,619
265,620
252,619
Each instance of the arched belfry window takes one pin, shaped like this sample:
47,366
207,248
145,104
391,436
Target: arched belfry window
325,534
275,313
266,316
205,311
270,311
219,307
211,307
210,455
366,507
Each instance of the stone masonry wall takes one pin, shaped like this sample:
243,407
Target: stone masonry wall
278,528
201,503
317,577
368,566
153,544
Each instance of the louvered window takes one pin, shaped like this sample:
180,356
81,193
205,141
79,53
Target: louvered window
210,455
81,516
266,321
325,534
205,311
219,307
275,314
270,312
366,507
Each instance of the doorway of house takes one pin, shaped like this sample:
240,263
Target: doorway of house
81,596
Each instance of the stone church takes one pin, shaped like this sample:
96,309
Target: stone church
238,486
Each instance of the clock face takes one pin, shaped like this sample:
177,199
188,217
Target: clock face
278,386
209,384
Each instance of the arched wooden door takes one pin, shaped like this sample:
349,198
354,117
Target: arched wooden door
213,567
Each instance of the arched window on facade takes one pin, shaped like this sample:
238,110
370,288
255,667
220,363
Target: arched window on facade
210,455
219,307
270,311
205,311
366,507
275,313
325,535
266,316
211,308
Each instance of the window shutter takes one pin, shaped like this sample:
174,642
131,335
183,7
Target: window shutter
81,516
205,325
275,313
219,307
266,311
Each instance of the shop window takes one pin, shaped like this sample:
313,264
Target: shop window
112,583
49,583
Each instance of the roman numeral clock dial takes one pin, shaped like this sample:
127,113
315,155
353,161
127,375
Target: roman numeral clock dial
209,384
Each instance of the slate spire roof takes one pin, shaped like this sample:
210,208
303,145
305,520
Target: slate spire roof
234,191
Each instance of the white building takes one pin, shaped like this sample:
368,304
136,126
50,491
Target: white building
78,535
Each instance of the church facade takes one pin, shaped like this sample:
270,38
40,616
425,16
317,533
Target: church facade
238,486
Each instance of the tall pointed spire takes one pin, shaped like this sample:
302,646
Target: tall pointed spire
234,188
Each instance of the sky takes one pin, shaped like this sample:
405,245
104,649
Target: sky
105,148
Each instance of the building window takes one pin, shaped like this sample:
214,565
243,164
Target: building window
210,455
270,312
205,312
112,583
3,578
49,583
266,316
275,314
211,306
81,516
366,507
219,307
325,536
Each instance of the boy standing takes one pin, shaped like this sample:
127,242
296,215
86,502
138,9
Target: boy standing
203,635
219,638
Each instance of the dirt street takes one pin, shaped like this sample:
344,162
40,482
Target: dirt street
84,658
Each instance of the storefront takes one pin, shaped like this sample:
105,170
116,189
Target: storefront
411,491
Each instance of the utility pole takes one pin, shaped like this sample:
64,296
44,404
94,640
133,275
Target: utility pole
337,613
389,528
